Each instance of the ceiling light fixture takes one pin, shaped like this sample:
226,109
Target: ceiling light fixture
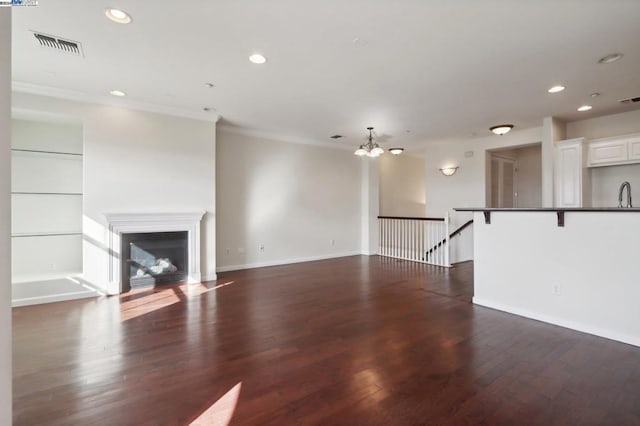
610,58
117,15
585,108
449,171
556,89
118,93
257,58
501,129
396,151
370,149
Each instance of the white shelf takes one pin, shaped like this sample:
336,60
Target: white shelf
45,234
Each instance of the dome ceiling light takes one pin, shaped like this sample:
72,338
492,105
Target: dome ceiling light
501,129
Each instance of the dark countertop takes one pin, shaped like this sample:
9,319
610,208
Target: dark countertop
550,209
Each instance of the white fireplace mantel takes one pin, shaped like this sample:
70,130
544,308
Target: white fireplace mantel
127,223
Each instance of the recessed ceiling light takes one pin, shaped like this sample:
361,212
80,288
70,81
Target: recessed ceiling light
117,93
257,58
396,151
208,109
556,89
585,108
595,94
610,58
117,15
501,129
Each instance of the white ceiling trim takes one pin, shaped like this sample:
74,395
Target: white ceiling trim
275,136
72,95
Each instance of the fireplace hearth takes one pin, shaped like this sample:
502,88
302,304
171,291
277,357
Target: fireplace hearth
154,258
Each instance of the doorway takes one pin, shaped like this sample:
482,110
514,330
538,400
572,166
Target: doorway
504,191
514,177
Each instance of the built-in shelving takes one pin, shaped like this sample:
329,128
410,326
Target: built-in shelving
45,234
47,193
46,152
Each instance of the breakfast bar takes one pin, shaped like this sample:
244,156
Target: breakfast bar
574,267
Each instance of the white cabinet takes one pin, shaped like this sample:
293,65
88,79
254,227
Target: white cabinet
607,152
634,148
572,181
615,150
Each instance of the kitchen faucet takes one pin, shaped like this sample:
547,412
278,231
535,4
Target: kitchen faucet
628,186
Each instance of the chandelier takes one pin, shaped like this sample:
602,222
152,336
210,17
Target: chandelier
370,149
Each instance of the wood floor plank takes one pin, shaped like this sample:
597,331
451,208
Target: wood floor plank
356,340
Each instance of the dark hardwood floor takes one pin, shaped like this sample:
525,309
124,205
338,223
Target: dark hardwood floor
357,340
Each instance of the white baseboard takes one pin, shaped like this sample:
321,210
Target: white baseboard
285,261
607,334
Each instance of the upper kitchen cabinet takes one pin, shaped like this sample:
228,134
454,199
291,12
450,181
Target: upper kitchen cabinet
614,150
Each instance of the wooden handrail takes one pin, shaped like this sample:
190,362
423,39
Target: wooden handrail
453,234
437,219
459,230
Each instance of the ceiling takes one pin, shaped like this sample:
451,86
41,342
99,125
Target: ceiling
416,70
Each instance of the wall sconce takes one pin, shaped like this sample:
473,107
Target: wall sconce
449,171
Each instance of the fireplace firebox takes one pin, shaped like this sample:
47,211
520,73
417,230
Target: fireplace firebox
154,258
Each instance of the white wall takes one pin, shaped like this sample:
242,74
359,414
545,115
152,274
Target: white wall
605,181
467,188
553,130
402,185
5,216
592,261
608,125
137,161
292,198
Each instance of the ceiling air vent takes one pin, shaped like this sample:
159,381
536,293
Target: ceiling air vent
630,100
59,44
335,136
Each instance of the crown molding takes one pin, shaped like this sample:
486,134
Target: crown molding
73,95
279,137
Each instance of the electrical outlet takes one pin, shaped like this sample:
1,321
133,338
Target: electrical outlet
556,290
261,248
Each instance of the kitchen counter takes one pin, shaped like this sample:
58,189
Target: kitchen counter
560,211
550,209
581,272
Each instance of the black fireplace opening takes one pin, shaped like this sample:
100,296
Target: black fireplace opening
154,258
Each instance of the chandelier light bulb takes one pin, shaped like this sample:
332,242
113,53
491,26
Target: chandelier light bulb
361,151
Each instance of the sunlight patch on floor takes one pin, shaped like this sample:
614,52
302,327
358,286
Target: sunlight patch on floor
158,299
221,412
